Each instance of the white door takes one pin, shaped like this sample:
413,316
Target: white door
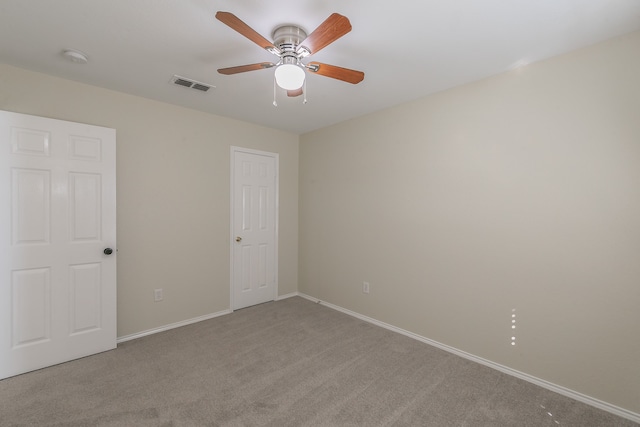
57,219
254,213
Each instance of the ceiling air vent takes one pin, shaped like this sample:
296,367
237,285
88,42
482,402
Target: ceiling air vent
183,81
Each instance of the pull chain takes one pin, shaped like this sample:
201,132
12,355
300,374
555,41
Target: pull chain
275,103
304,92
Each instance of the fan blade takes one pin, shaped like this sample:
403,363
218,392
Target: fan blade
344,74
235,23
245,68
296,92
334,27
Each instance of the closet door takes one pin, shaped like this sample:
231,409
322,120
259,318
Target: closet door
57,242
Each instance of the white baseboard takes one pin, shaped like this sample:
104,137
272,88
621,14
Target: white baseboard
188,322
171,326
285,296
621,412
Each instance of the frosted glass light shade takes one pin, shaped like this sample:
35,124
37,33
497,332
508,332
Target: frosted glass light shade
289,76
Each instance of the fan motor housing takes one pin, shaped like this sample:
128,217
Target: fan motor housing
288,37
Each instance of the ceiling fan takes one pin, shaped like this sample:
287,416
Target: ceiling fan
291,45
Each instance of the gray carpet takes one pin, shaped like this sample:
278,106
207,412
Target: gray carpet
287,363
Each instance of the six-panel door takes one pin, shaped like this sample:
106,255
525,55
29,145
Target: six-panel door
57,285
254,215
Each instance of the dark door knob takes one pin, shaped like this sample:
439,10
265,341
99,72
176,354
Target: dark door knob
108,251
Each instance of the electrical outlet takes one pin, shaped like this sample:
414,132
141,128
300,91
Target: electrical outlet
157,295
365,287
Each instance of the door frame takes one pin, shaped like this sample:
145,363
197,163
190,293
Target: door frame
233,150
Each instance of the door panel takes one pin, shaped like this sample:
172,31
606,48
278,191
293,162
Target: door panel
254,227
30,200
85,206
57,214
31,304
85,297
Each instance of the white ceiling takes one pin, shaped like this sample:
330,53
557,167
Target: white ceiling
407,48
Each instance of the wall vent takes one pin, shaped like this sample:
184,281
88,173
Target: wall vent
190,83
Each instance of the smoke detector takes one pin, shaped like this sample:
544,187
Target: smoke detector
74,55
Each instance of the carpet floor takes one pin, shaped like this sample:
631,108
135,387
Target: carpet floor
285,363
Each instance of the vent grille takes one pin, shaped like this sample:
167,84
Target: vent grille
190,83
200,86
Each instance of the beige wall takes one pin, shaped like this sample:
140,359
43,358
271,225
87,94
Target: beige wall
517,192
521,191
172,194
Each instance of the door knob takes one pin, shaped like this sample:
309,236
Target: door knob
238,239
108,251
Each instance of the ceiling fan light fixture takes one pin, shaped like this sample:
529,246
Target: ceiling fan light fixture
289,76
